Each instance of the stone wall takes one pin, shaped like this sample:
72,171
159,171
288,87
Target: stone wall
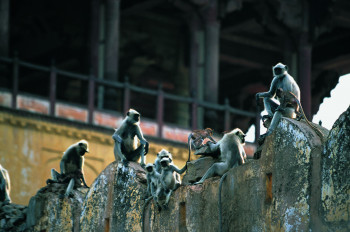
298,184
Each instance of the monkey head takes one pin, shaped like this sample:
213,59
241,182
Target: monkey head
133,116
165,162
83,147
164,154
149,168
239,133
279,70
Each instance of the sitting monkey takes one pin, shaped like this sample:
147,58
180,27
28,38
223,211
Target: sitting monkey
152,180
71,166
231,153
169,181
4,186
126,139
281,80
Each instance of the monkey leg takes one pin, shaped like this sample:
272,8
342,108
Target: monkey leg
70,188
118,154
167,198
274,123
135,155
55,175
270,106
216,169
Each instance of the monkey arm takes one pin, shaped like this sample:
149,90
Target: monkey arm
63,165
117,148
83,179
272,92
143,141
180,171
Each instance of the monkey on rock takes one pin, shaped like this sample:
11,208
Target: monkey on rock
71,166
127,137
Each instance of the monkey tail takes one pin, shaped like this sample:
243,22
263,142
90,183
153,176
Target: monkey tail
143,213
318,132
189,147
219,203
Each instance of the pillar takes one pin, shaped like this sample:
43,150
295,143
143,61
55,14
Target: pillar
4,27
113,97
304,77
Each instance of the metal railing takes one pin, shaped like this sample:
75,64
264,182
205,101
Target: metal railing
127,88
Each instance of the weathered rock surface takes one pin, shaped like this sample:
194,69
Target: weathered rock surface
197,168
12,217
48,212
115,199
335,192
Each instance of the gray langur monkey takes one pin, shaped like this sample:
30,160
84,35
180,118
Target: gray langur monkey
152,180
231,154
169,180
71,166
281,80
5,186
126,139
160,155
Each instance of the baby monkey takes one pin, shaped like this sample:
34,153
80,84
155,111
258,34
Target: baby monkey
71,166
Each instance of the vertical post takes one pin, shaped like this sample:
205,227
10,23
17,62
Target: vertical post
53,75
15,80
126,95
305,73
194,117
4,27
91,98
160,111
257,126
227,115
212,40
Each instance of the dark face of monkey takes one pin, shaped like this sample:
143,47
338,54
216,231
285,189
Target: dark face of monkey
241,135
165,162
149,168
83,149
133,116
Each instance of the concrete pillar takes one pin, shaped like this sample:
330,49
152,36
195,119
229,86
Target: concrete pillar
197,60
304,57
113,97
112,39
212,40
4,27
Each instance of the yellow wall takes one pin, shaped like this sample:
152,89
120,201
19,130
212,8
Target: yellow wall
31,145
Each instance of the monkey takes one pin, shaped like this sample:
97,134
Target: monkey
126,138
152,179
196,139
290,107
281,80
169,181
231,153
160,155
5,186
71,167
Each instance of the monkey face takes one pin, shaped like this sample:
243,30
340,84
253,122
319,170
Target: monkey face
165,162
279,70
83,147
149,167
133,116
240,134
165,154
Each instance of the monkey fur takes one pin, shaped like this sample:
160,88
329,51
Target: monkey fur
231,153
290,107
160,155
126,139
152,179
71,167
196,139
281,80
169,180
4,186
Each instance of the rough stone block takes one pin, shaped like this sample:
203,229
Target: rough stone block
197,168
